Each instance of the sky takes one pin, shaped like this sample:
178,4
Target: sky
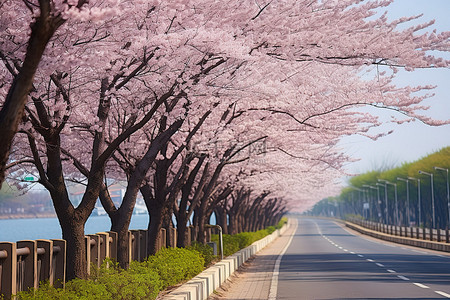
411,141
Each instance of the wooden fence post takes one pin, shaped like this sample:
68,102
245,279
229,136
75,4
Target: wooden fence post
59,263
45,261
95,250
136,244
87,243
27,265
143,244
104,245
8,270
112,245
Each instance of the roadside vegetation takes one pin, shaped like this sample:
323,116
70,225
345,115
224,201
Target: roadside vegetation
145,280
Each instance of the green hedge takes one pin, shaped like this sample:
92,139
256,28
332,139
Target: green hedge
143,280
236,242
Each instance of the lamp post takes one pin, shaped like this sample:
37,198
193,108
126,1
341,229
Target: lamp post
407,198
359,198
374,188
432,195
418,198
448,193
386,211
396,202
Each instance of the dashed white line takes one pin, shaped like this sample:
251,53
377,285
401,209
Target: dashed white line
380,265
360,255
421,285
345,250
391,271
370,260
442,294
402,277
352,252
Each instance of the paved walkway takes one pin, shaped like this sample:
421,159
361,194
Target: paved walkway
253,279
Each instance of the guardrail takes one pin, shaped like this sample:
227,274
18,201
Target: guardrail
25,264
435,239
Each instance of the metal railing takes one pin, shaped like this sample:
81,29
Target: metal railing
426,234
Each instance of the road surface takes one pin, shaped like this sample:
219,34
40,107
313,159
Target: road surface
326,261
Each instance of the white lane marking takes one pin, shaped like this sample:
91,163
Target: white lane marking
276,269
340,247
442,294
370,260
391,271
345,250
352,252
402,277
421,252
360,255
421,285
380,265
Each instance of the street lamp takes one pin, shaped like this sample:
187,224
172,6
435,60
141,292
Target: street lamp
396,202
418,198
359,198
378,193
448,193
432,195
407,198
386,211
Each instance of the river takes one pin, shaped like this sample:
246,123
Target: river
13,230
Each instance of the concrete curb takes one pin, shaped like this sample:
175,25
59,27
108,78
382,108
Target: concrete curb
439,246
204,284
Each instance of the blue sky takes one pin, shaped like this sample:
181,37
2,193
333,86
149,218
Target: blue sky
415,140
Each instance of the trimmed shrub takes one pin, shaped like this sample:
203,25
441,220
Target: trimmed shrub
175,265
205,250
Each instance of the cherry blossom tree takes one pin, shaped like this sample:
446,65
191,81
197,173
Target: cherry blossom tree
117,78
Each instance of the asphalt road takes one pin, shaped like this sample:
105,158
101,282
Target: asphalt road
326,261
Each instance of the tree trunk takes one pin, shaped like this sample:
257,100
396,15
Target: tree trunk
73,233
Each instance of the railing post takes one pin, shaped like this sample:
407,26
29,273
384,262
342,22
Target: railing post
104,246
87,242
143,247
94,243
163,238
188,236
59,263
438,234
112,245
136,245
27,266
46,261
172,237
447,238
8,270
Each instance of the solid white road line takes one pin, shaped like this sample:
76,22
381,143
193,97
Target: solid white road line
276,269
421,285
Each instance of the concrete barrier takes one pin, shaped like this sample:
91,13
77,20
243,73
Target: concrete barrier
204,284
432,245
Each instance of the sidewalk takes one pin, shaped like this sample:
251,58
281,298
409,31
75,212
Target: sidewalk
253,279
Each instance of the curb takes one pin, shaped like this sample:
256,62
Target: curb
204,284
432,245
